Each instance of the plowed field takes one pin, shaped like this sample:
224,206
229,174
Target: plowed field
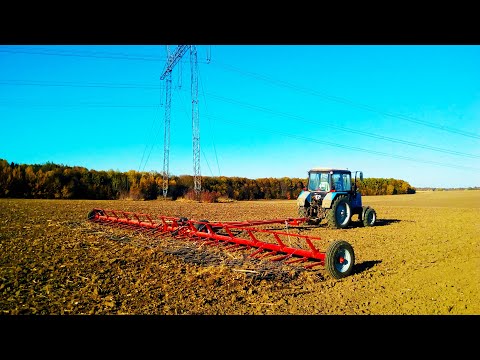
422,257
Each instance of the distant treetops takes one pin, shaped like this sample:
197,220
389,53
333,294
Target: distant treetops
53,181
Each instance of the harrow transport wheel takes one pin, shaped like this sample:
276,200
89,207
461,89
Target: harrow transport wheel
92,213
340,214
201,227
369,217
182,221
339,259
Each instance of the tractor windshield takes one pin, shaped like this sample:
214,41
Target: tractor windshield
319,181
329,181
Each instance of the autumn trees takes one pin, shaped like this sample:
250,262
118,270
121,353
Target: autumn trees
53,181
381,186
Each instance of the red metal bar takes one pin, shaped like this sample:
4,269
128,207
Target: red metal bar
212,231
289,221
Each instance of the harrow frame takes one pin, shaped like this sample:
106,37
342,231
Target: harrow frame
338,259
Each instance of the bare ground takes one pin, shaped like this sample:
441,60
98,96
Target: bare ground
421,258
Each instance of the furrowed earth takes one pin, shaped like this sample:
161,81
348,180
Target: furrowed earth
421,257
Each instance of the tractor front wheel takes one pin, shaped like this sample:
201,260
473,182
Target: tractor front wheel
340,214
339,259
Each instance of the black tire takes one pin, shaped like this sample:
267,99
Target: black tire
369,217
91,214
302,211
339,259
182,221
340,214
315,221
201,227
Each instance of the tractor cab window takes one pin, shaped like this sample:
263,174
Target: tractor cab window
313,181
341,182
318,182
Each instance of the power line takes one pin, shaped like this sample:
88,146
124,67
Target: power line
259,77
184,109
278,113
75,84
336,144
155,135
84,55
82,105
211,126
243,104
347,101
341,128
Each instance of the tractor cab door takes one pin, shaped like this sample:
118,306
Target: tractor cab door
341,182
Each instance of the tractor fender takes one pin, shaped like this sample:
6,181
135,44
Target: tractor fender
303,198
356,201
328,200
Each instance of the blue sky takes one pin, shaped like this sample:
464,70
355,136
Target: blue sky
391,111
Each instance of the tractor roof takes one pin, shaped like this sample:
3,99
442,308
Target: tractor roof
329,169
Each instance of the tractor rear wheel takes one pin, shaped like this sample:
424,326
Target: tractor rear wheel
339,259
369,217
340,214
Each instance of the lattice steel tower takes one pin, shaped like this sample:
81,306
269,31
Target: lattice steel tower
172,60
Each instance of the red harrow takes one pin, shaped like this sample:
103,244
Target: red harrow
274,245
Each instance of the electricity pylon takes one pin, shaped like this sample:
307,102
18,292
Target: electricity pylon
172,60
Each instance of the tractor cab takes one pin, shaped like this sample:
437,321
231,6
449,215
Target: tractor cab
329,180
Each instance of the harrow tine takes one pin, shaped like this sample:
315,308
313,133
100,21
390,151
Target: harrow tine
256,252
280,257
234,247
266,254
296,260
312,265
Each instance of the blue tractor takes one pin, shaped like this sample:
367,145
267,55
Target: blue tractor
332,195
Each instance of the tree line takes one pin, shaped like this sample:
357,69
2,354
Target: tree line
54,181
